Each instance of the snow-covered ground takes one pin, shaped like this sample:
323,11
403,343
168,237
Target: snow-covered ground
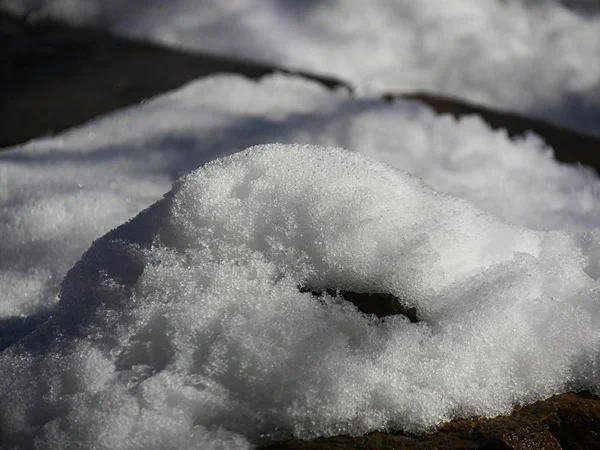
185,328
541,58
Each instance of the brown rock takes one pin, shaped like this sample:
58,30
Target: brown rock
562,422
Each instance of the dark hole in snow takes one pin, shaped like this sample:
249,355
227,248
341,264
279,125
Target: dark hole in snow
382,305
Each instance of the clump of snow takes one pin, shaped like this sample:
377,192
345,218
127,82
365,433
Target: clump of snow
536,57
185,327
58,194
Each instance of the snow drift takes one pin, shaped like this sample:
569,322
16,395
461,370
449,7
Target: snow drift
536,57
59,193
186,328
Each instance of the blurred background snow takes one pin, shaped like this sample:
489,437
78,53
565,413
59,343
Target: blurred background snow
540,58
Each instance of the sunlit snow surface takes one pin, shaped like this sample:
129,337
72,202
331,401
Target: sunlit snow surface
185,328
541,58
58,194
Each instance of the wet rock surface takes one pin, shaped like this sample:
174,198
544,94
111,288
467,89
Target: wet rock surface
562,422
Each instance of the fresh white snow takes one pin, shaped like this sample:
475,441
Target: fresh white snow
541,58
185,328
57,194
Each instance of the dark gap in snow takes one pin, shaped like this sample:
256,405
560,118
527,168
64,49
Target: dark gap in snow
12,329
379,304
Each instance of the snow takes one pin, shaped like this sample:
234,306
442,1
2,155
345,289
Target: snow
59,193
185,328
540,58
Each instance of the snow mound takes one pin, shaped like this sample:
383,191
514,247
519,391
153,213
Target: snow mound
59,193
186,327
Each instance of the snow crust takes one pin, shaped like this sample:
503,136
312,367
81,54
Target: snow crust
185,328
541,58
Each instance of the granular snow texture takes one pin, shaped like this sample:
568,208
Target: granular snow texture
60,193
185,327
